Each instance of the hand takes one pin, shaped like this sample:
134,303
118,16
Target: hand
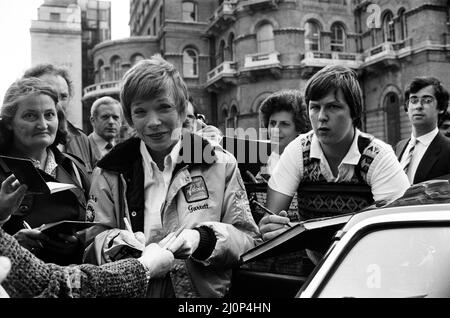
273,225
5,266
63,244
11,195
185,244
210,133
157,260
31,239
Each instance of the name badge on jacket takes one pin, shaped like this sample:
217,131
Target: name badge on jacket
196,190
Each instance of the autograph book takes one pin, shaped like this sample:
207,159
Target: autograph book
28,174
316,234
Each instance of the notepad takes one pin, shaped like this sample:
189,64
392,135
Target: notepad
65,227
315,234
27,173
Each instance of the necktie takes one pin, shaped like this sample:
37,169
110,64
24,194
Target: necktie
413,143
108,146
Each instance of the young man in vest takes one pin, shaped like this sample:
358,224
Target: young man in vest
335,153
426,154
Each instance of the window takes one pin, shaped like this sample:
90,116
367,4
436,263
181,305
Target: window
221,56
136,58
231,46
190,63
337,38
154,26
116,68
101,71
312,36
189,11
388,28
55,16
232,120
264,37
161,17
402,19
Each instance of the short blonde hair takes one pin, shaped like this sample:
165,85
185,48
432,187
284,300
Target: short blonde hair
153,78
106,100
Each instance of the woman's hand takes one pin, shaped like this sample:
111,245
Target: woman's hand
273,225
157,260
11,195
185,244
32,239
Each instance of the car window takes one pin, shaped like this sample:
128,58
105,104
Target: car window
401,262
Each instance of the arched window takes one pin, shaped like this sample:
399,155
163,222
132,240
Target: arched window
337,38
402,20
312,36
392,123
116,68
136,58
232,119
190,63
221,56
101,71
224,114
264,37
388,28
231,47
189,11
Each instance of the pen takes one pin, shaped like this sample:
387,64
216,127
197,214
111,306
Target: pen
26,225
128,225
290,224
170,241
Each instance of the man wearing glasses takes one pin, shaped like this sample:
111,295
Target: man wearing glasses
426,154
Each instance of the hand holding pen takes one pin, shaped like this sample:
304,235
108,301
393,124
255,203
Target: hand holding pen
273,224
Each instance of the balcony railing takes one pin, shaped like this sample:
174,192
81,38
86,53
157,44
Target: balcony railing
226,8
226,69
223,15
261,60
320,59
258,4
102,88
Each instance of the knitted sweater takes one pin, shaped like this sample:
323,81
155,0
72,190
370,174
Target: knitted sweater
30,277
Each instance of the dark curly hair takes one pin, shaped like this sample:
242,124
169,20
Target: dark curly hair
289,100
15,94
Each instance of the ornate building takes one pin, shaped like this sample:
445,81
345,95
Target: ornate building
234,53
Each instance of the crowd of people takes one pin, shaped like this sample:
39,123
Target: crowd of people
171,211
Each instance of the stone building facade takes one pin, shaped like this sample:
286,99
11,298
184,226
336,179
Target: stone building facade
234,53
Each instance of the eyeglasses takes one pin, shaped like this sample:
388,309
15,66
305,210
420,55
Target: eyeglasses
424,100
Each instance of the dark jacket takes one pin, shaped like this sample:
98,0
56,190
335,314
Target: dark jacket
30,277
435,162
78,144
38,209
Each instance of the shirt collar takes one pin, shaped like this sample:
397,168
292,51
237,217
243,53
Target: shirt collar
427,138
101,143
170,159
352,157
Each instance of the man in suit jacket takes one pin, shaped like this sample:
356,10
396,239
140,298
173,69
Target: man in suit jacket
426,154
106,119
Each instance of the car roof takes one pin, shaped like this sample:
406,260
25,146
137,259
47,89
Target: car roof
433,195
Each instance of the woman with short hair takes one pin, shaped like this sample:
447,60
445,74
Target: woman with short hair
31,126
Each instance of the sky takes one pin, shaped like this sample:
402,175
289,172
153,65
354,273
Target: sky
15,23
